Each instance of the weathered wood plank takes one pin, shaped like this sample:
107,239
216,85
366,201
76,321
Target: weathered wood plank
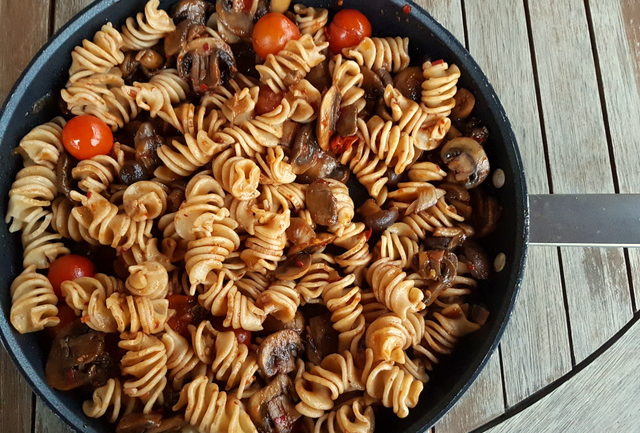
596,282
481,403
67,9
602,397
616,27
535,347
16,50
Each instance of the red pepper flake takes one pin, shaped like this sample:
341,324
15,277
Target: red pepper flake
368,233
299,263
340,144
204,87
437,62
340,2
89,194
132,94
206,46
406,9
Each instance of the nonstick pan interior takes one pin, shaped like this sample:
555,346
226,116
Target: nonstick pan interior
33,102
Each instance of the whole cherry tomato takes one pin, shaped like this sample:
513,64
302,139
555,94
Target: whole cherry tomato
272,32
69,267
268,100
347,29
87,136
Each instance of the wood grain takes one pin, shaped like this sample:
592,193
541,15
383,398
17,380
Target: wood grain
616,28
600,398
448,13
482,402
16,50
596,282
67,9
535,347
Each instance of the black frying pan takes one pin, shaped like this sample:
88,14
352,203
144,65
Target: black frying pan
31,102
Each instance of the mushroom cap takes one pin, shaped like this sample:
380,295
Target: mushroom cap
277,352
467,160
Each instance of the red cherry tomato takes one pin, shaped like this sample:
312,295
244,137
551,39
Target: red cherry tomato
87,136
69,267
347,29
268,100
246,5
66,316
272,32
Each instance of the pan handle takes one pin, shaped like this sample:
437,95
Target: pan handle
585,220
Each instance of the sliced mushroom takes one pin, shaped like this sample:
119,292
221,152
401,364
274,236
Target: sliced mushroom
132,172
376,218
147,142
472,127
321,339
346,124
294,267
138,422
271,324
479,314
321,203
150,59
64,181
476,259
272,409
437,265
246,58
409,82
129,66
175,41
78,357
328,116
373,88
314,245
465,101
385,76
206,60
486,212
393,178
299,231
319,76
278,352
233,17
467,160
458,196
175,199
304,150
194,11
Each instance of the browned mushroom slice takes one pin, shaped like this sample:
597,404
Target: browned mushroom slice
373,88
206,60
437,265
190,10
294,267
409,82
321,339
64,181
459,197
314,245
465,101
150,59
304,149
346,124
147,142
376,218
472,127
175,40
467,160
271,324
299,231
328,116
138,422
78,357
385,76
272,409
321,203
486,212
476,259
232,15
319,76
129,66
278,352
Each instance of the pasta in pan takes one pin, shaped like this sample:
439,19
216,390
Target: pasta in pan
208,225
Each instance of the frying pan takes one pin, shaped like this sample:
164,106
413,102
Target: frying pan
32,102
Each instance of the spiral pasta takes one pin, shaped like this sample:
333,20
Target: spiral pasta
388,338
312,284
211,410
181,359
106,224
396,247
40,247
312,21
343,301
88,297
353,416
304,101
281,300
165,255
291,64
439,87
266,247
98,172
391,54
348,80
97,56
370,170
238,176
107,396
43,144
232,363
33,302
181,159
149,279
417,225
274,169
147,28
391,287
392,146
34,189
319,387
146,361
144,200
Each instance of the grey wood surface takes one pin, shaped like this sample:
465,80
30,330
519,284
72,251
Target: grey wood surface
571,88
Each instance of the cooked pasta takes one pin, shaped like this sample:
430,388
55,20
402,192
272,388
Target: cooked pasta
33,302
237,263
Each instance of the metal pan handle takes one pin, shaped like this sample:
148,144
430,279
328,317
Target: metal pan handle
585,220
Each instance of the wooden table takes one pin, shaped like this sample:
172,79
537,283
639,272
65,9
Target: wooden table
568,73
